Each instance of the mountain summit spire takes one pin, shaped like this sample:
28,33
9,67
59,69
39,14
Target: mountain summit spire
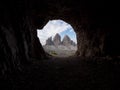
57,41
56,47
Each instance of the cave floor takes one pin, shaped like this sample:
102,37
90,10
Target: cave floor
71,73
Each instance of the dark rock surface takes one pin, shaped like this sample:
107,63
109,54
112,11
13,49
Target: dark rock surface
68,73
73,43
97,26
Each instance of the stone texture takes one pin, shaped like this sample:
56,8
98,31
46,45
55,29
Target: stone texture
66,41
66,48
49,41
95,23
73,43
57,40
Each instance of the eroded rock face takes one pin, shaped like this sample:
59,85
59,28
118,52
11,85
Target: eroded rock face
86,17
65,49
90,44
95,24
73,43
49,41
57,40
66,41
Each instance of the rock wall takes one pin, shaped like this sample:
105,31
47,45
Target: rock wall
90,42
18,39
95,23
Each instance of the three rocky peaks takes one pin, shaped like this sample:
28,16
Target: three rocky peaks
57,41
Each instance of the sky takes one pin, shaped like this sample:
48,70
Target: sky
53,27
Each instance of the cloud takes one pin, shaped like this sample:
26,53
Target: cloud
75,40
71,30
51,28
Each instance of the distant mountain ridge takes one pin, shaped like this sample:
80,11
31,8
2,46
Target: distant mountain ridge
57,41
56,47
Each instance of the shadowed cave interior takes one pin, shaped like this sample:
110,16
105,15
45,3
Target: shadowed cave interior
25,65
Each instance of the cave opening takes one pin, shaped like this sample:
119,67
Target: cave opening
58,38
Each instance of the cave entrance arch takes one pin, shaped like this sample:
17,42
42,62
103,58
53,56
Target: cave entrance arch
58,38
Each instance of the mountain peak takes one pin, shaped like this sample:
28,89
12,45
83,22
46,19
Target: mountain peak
49,41
66,40
57,41
66,37
57,34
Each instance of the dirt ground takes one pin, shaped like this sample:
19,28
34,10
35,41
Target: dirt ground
75,73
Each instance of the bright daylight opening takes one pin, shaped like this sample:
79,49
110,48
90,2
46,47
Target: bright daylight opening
58,38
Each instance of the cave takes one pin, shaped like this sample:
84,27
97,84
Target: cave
25,65
58,38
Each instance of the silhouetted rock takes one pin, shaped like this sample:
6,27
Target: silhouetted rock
57,40
73,43
97,29
49,41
